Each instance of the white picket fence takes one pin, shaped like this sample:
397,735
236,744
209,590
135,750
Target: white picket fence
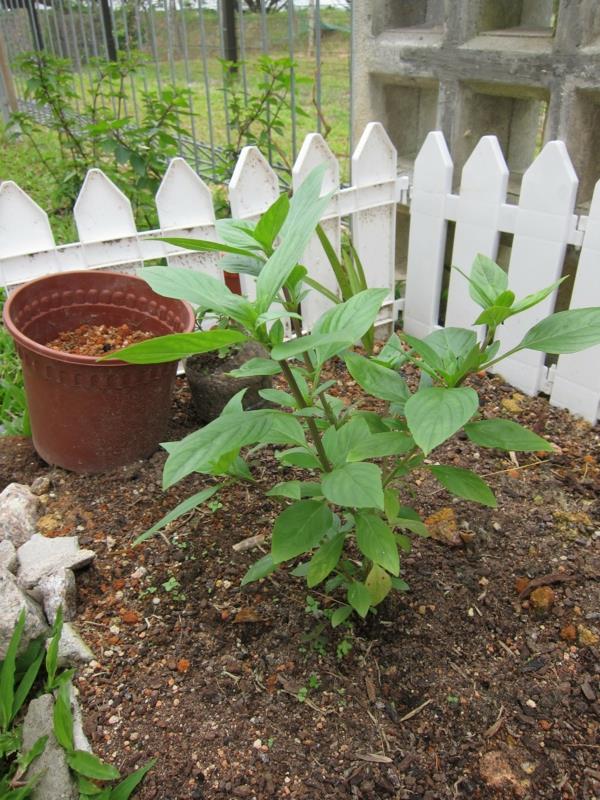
543,224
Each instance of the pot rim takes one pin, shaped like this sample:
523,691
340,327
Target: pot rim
72,358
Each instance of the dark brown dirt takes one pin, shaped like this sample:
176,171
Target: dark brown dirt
96,340
463,687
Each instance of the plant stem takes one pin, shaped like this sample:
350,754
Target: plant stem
314,432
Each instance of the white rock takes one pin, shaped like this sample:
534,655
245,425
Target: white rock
72,649
8,555
12,601
80,740
41,556
18,513
59,589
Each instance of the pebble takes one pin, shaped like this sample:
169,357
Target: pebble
113,720
542,599
587,637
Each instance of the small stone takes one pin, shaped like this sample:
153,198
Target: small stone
531,703
257,744
497,772
41,556
588,692
18,513
587,637
512,404
8,555
113,720
521,584
41,485
568,633
545,724
139,573
496,526
59,589
528,767
542,599
12,601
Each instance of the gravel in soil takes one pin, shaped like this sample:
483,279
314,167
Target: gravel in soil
472,684
96,340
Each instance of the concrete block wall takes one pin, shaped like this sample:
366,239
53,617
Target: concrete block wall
525,70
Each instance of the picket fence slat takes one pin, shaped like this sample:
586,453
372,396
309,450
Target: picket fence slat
543,224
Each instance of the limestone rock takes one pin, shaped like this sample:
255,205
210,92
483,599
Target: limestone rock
41,556
72,650
41,485
59,589
18,513
80,740
55,782
12,600
8,555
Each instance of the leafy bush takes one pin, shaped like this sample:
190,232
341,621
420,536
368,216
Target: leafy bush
361,462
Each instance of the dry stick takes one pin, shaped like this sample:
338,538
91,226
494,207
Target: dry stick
545,580
415,711
247,544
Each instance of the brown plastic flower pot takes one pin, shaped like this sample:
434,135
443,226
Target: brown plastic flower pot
90,416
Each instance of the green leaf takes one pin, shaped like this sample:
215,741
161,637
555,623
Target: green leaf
279,397
52,651
505,434
392,353
452,346
464,483
200,289
239,233
359,598
175,346
340,615
301,344
182,508
377,542
338,442
410,524
256,366
29,757
205,246
7,674
487,281
260,569
306,209
90,766
295,490
391,504
494,316
379,584
379,445
352,319
533,299
325,560
299,457
435,414
124,790
63,719
299,529
88,788
27,682
377,380
354,485
270,223
565,332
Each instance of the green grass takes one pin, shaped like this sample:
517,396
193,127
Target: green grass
13,408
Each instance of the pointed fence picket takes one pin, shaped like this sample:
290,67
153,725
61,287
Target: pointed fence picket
542,224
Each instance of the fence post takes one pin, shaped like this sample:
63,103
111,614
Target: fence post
8,96
107,26
230,48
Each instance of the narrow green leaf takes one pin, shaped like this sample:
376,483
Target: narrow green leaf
124,790
377,542
359,598
63,719
565,332
27,682
268,226
205,246
294,347
464,483
182,508
52,651
435,414
377,380
325,560
90,766
29,757
354,486
7,674
175,346
263,567
533,299
256,366
279,397
379,584
340,615
505,434
300,528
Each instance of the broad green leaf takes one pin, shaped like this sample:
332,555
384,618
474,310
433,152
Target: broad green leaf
340,615
435,414
359,598
494,316
174,346
260,569
533,299
352,319
256,366
27,682
205,246
377,542
244,265
295,490
239,233
124,790
464,483
90,766
200,289
279,397
505,434
505,299
354,486
183,508
391,504
63,719
486,281
452,345
268,226
410,524
7,674
379,584
427,353
299,457
235,403
276,313
284,429
392,353
377,380
325,560
399,585
565,332
338,442
379,445
336,341
299,529
306,209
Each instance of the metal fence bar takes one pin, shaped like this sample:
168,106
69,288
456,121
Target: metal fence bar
188,79
318,57
131,74
224,73
209,116
154,47
264,43
290,26
243,48
140,39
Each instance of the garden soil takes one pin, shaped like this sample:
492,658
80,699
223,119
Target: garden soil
482,681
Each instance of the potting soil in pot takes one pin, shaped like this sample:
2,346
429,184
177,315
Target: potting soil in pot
95,340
